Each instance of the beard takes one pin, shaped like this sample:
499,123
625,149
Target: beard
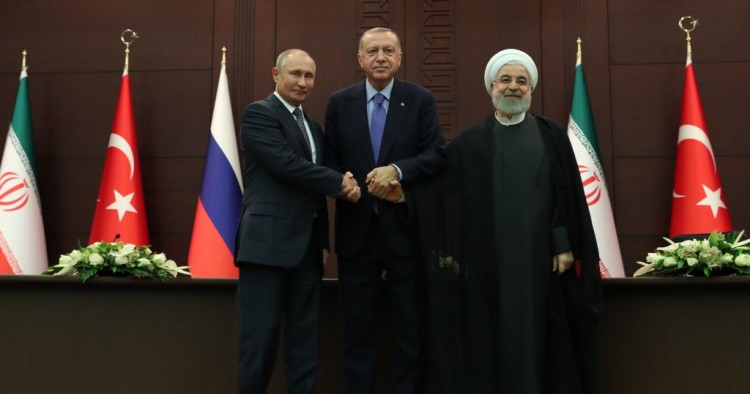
512,106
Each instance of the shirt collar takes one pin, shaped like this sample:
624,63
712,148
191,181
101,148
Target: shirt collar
385,92
288,106
515,119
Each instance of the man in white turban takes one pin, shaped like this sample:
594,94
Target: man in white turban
509,56
511,260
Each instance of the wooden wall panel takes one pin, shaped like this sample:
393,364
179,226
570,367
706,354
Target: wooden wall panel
162,101
84,36
647,57
633,53
329,34
586,19
647,103
73,113
644,195
76,61
482,29
646,106
8,89
641,31
433,52
734,173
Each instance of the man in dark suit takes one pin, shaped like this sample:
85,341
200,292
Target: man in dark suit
283,230
382,130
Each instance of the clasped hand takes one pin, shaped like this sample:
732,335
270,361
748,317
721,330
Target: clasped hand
379,181
350,190
382,183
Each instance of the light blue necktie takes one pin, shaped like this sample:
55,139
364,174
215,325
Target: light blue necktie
377,124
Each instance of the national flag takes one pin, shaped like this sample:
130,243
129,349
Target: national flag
23,249
582,136
120,209
217,214
698,202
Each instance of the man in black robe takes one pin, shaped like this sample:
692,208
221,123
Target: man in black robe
510,254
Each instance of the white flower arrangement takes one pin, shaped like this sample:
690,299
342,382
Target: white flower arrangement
719,254
115,259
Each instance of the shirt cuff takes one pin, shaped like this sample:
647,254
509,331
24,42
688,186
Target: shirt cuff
400,174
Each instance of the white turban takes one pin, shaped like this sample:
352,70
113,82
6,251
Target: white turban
509,56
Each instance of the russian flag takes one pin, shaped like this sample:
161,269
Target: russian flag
211,252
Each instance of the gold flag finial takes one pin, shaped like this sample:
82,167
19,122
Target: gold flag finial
692,22
23,60
223,56
127,37
579,54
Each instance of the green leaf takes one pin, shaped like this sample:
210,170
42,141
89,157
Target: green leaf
86,274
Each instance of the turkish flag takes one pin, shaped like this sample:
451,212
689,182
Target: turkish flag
698,203
120,210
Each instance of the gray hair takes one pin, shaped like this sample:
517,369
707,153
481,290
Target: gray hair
283,56
379,30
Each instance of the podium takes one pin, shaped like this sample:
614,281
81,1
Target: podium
128,335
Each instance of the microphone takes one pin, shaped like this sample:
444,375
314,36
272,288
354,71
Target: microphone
117,236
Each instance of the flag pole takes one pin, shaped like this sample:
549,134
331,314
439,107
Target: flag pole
23,248
698,201
693,22
120,211
217,211
127,37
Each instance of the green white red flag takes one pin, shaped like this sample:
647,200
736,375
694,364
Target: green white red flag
23,248
582,136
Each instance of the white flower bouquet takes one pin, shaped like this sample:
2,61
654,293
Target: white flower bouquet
115,259
719,254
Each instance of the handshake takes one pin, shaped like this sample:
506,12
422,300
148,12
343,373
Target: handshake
382,182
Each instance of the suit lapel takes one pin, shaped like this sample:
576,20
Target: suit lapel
399,102
297,142
357,107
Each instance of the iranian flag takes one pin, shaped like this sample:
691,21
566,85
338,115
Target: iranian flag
698,204
23,249
582,136
120,209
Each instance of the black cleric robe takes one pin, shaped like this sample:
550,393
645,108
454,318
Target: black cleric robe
499,319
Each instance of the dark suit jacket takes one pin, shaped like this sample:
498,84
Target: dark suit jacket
284,190
412,140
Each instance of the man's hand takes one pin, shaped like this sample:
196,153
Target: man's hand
562,262
395,192
379,181
349,188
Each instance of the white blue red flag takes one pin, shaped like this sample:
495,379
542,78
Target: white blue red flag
218,211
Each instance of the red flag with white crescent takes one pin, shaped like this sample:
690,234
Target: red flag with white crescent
698,202
120,210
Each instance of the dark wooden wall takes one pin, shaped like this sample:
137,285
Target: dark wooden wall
634,55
